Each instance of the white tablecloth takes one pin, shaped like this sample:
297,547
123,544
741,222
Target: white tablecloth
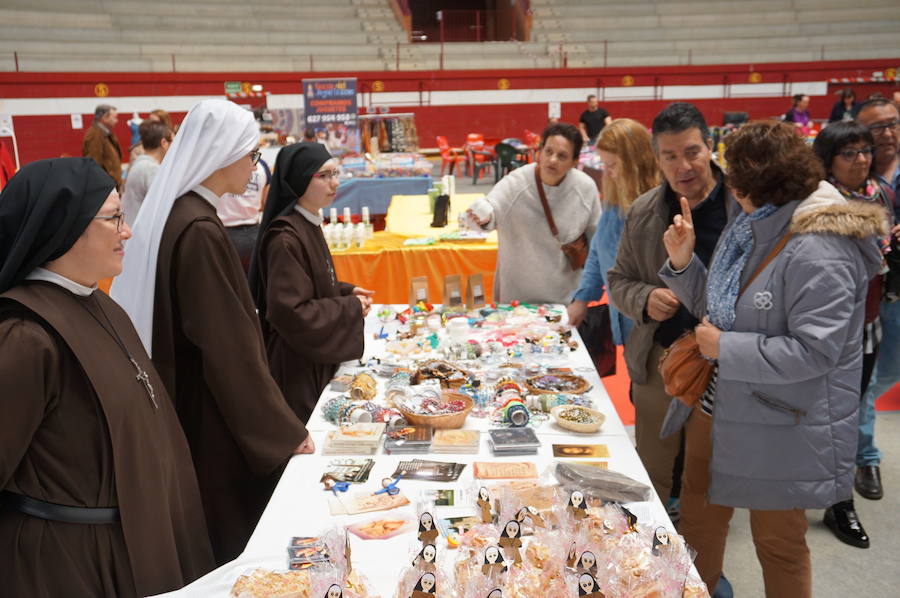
299,505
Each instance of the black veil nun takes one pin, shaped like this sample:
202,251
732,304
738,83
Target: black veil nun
294,168
44,209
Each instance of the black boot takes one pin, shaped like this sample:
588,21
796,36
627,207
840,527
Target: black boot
841,518
868,482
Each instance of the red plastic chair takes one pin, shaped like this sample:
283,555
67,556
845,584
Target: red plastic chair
533,141
449,155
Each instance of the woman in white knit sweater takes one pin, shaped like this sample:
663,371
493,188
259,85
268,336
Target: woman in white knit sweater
531,267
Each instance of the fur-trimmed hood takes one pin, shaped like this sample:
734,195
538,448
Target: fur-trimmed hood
827,211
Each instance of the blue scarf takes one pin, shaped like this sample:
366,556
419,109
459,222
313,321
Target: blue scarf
724,280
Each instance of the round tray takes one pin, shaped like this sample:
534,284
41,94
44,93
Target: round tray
579,384
447,421
586,428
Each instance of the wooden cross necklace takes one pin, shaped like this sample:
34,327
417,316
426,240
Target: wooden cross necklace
140,374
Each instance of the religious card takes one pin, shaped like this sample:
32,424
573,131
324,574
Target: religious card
349,470
305,552
504,470
456,441
514,438
596,451
407,439
436,471
362,501
443,497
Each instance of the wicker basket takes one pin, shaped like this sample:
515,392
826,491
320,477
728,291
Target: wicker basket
447,421
579,385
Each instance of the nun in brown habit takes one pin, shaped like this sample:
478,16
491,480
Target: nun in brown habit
310,320
99,497
185,290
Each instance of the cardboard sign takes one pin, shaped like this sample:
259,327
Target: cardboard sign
453,290
475,291
418,289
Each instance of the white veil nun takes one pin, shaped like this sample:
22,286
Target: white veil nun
214,134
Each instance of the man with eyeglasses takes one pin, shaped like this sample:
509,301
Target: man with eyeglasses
882,118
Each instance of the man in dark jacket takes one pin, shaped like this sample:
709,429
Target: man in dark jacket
683,149
100,142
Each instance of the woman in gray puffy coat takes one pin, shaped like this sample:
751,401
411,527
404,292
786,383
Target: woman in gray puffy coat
776,431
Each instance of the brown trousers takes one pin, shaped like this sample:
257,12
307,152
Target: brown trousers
650,405
779,536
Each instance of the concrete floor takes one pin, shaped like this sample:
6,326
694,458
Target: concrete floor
839,570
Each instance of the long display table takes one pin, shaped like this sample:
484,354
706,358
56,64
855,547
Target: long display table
299,505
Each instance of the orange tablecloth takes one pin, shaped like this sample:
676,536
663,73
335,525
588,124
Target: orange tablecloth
385,265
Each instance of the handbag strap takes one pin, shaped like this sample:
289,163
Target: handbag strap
546,206
772,255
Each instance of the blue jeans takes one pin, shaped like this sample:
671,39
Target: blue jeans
885,375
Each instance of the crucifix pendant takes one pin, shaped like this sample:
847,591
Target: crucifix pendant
144,379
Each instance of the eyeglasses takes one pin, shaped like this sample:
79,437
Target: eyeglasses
118,217
893,125
327,175
255,155
850,154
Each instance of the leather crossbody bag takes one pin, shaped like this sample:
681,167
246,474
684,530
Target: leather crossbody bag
576,251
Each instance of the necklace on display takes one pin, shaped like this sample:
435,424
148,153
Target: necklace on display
140,374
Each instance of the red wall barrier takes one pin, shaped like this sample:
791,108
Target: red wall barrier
52,135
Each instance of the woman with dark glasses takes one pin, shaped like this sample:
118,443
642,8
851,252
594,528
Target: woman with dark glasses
311,321
845,149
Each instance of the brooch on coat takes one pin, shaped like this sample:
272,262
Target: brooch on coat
763,300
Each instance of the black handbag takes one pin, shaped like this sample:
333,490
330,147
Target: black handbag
441,211
596,332
892,277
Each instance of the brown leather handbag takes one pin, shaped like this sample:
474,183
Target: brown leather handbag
685,371
576,251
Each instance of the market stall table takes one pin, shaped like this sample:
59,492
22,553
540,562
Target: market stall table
300,506
385,265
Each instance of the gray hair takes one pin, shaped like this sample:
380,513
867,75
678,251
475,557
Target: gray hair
102,110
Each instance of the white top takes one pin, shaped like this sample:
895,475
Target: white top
243,210
58,279
137,183
531,267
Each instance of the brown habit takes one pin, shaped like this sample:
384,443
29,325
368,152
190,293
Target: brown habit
104,148
311,322
208,349
78,429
